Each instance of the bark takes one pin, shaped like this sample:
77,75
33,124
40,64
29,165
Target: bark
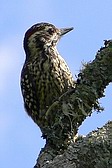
63,148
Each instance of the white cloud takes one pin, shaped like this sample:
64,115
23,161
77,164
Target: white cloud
10,57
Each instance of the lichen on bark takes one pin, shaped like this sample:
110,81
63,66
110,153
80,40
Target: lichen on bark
70,110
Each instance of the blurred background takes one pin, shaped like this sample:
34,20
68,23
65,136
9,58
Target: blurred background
20,138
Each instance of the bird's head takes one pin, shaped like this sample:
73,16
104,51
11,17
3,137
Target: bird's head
43,35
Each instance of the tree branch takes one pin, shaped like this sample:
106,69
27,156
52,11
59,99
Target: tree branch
66,115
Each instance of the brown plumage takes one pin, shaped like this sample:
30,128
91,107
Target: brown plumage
45,75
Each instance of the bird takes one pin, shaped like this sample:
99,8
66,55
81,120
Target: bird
45,75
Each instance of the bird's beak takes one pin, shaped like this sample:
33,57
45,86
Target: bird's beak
65,30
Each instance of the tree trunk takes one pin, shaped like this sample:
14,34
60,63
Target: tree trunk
64,149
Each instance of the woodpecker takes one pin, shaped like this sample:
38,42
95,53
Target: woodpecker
45,75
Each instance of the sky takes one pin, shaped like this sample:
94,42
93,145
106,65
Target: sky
20,138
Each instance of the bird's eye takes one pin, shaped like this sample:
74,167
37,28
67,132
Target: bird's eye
51,31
